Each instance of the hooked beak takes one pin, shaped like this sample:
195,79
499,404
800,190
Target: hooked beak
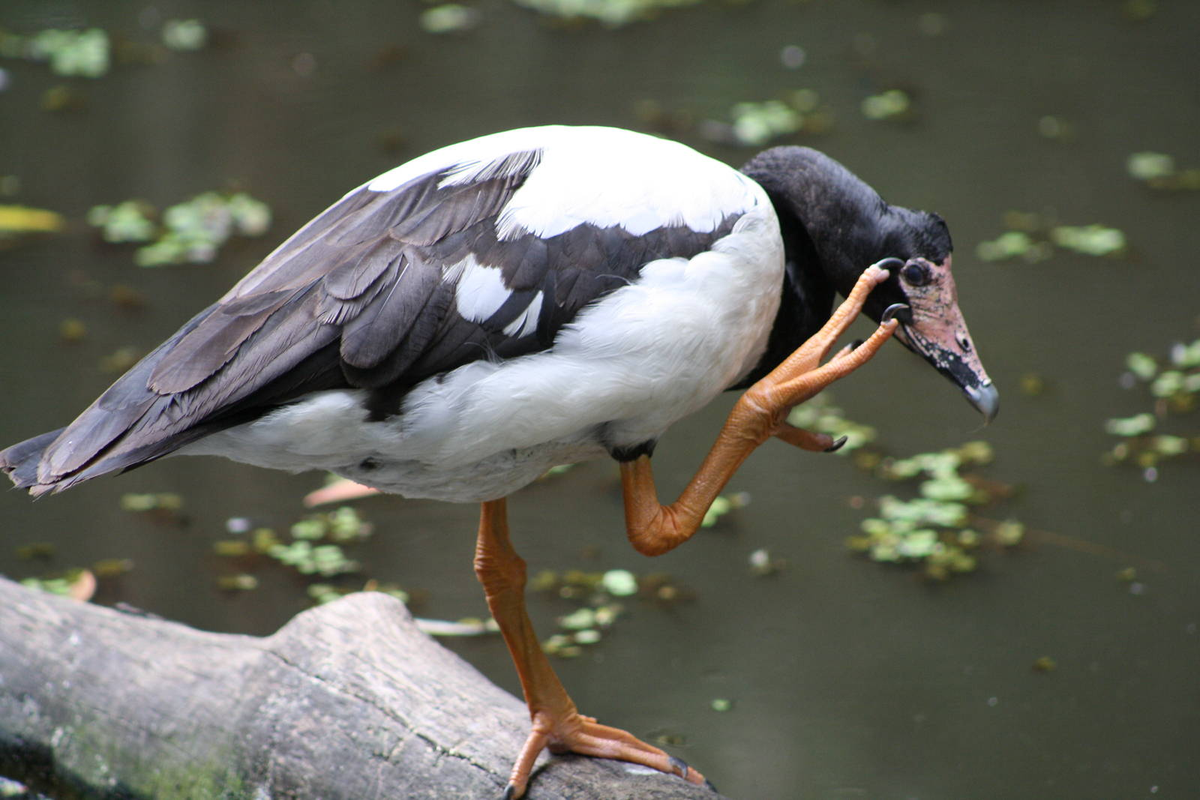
934,328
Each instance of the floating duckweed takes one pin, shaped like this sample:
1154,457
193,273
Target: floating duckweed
1045,664
72,330
1010,533
619,583
822,416
322,593
21,221
232,548
341,525
1170,445
82,53
721,506
1149,166
891,104
612,13
578,620
448,18
307,559
1010,245
264,539
1158,171
947,488
922,511
1185,356
242,582
587,636
1090,240
1032,384
930,530
1142,366
595,594
1130,426
129,221
562,645
59,586
1054,127
762,563
184,35
112,567
161,501
190,232
311,528
1032,239
755,124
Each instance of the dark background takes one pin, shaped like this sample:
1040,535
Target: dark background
848,679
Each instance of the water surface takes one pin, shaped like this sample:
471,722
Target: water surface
848,679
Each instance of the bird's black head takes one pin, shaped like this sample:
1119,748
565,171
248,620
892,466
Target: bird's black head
834,226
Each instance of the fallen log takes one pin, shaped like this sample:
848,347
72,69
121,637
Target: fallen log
349,701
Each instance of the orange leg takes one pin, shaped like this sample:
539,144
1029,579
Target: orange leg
556,724
758,415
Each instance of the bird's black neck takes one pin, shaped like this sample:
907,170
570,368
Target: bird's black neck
829,221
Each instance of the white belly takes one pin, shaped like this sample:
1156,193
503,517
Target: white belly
628,367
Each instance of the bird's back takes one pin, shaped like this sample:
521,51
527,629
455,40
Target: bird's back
485,253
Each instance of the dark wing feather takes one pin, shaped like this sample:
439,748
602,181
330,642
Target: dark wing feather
361,297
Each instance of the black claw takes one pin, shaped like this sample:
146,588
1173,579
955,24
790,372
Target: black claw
890,263
837,445
679,765
510,792
709,785
898,310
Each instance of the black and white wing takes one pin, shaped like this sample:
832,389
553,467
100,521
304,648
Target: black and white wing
484,249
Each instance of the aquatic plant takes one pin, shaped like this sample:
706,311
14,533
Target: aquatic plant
890,105
1033,238
612,13
754,124
1173,385
83,53
1158,171
597,597
189,232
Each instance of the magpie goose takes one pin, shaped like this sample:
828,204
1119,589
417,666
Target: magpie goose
458,325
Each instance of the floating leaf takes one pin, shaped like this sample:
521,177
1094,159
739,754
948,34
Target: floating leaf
184,35
610,12
619,583
1091,240
888,105
15,220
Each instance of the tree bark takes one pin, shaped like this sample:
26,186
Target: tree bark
347,701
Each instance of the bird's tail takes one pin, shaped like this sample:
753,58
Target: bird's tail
20,462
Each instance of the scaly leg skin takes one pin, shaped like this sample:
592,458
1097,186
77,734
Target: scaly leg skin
556,724
758,415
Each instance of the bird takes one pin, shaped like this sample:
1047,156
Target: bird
458,325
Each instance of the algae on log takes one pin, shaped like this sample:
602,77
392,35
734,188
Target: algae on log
347,701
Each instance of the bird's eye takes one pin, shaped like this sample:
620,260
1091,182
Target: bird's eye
915,274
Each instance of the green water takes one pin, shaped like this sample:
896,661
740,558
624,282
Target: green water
847,679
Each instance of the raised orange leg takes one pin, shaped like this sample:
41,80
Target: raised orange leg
758,415
653,528
555,722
